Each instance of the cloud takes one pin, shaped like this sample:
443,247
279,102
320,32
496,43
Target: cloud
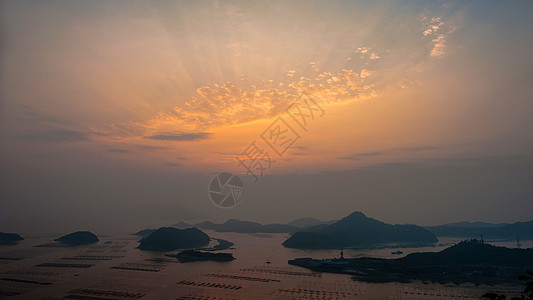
438,48
180,137
151,148
438,31
362,50
369,154
393,166
349,158
366,54
33,115
314,65
299,150
358,156
374,56
55,136
229,104
422,148
118,150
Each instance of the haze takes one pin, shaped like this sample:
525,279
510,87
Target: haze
116,114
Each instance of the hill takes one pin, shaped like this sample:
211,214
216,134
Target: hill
357,230
78,238
169,238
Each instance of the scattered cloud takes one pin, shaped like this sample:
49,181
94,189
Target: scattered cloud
438,31
362,50
364,73
314,65
365,53
180,137
228,104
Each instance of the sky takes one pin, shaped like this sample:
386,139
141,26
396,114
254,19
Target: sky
117,114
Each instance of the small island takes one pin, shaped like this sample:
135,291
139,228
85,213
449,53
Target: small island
468,261
169,239
193,255
78,238
10,237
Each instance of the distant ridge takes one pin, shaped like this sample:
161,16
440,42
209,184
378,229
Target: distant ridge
238,226
307,222
144,232
475,225
181,225
357,230
518,230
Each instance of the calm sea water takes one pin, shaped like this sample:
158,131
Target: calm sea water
117,270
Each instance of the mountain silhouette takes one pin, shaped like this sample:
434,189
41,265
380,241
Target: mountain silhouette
357,230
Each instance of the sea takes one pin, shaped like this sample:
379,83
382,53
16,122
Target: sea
114,269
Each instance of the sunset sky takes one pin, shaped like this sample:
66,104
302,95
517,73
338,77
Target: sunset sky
121,112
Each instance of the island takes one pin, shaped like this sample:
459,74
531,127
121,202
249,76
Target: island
193,255
169,239
9,238
359,231
468,261
78,238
